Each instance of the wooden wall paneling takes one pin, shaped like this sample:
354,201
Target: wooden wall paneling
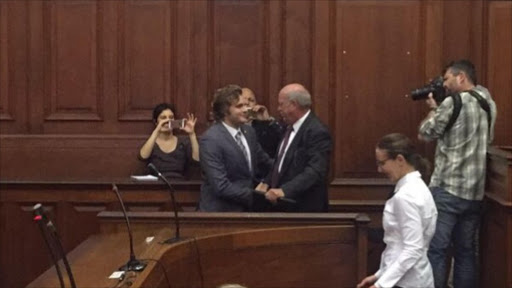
238,44
146,66
478,29
13,67
322,57
463,33
37,54
5,108
59,158
72,214
494,243
17,222
499,67
298,42
458,25
376,69
191,92
432,33
274,74
108,36
72,70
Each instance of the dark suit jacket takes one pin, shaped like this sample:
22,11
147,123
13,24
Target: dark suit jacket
303,176
269,134
228,184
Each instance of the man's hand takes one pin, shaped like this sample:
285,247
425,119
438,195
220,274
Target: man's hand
431,102
262,187
273,194
261,112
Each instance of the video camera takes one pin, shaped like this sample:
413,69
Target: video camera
435,87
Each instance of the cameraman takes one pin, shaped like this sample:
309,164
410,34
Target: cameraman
458,180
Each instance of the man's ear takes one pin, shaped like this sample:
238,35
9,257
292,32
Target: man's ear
462,77
400,158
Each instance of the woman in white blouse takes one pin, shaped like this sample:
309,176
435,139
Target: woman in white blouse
409,219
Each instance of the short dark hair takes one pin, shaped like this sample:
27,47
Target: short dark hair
223,98
160,108
398,144
463,65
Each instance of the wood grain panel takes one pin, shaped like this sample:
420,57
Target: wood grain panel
69,157
323,59
147,34
377,58
5,111
238,43
191,93
499,73
13,67
297,41
107,63
72,68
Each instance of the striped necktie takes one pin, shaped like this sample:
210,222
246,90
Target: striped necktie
238,138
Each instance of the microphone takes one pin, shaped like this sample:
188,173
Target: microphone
176,219
39,212
38,218
133,264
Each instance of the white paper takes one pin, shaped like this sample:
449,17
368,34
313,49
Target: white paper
144,177
116,275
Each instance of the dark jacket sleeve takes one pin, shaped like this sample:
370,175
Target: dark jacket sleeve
315,156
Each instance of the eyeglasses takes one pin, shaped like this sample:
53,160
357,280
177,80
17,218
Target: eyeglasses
382,162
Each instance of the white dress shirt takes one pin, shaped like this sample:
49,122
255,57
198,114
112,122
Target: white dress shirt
409,223
296,127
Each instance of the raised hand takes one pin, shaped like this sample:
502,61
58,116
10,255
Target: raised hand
190,124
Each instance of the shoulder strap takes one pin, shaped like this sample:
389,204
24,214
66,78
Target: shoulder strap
484,104
457,105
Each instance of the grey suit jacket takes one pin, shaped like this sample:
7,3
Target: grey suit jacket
228,184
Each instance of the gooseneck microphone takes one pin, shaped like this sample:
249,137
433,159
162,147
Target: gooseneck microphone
38,210
38,218
171,191
133,264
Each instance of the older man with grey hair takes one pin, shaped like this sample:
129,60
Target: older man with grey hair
302,163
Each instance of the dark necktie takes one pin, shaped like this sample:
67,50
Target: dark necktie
275,170
238,138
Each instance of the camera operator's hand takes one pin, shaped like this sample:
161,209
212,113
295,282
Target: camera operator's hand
261,112
431,102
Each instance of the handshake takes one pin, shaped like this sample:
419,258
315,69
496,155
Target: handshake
273,195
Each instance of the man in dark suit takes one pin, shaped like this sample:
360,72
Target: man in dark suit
268,131
230,155
301,167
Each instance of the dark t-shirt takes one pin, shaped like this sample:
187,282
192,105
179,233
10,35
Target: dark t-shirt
176,163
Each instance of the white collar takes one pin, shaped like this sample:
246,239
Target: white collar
231,130
298,123
406,178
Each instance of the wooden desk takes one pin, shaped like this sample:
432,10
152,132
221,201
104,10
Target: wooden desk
496,233
73,205
330,253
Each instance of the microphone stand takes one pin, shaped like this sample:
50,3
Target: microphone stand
177,237
38,217
57,239
133,264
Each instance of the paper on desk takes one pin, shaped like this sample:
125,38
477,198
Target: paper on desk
144,177
116,275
